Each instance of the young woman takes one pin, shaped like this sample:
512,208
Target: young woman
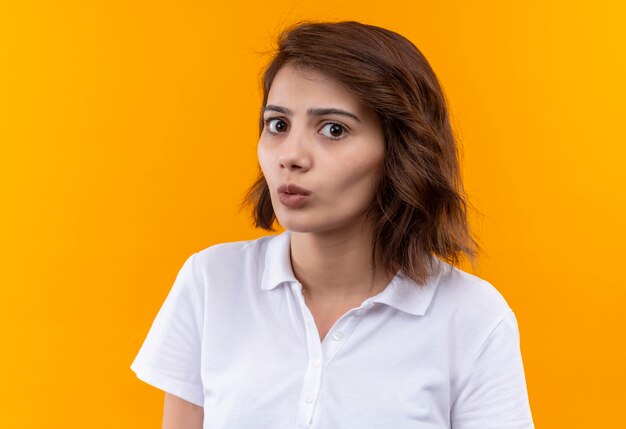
356,315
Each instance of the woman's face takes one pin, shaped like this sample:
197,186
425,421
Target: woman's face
320,137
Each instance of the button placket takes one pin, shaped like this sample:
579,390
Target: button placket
320,353
313,374
340,334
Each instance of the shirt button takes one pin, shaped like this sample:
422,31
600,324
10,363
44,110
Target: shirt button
360,311
317,362
310,399
337,335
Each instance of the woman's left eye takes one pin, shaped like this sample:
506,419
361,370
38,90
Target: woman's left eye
334,130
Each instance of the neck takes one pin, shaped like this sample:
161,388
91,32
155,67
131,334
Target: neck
337,264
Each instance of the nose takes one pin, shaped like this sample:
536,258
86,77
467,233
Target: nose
294,153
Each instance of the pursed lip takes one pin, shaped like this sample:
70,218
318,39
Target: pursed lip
291,188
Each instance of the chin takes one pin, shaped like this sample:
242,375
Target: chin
297,222
308,224
299,226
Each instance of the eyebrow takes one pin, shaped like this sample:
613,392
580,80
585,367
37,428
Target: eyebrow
314,112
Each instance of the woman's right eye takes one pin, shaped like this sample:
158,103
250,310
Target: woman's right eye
275,125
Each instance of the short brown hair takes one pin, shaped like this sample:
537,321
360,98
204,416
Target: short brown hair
420,209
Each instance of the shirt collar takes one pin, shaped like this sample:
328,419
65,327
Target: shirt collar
405,295
401,293
278,262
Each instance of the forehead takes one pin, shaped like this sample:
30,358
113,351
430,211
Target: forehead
297,85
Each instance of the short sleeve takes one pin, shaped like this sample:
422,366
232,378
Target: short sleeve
492,393
169,358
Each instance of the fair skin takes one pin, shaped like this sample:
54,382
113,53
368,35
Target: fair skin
331,242
181,414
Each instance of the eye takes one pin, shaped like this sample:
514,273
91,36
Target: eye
335,131
275,125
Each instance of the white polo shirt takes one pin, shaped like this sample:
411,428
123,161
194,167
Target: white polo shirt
235,336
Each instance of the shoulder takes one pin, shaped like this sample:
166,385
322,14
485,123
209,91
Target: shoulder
469,309
468,300
230,256
469,290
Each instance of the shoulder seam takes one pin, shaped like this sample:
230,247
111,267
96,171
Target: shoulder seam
465,372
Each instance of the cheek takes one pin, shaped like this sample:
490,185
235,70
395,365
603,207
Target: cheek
358,173
263,158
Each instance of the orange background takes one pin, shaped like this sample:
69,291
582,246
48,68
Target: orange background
128,136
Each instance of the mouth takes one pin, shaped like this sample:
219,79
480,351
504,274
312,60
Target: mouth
292,189
293,196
